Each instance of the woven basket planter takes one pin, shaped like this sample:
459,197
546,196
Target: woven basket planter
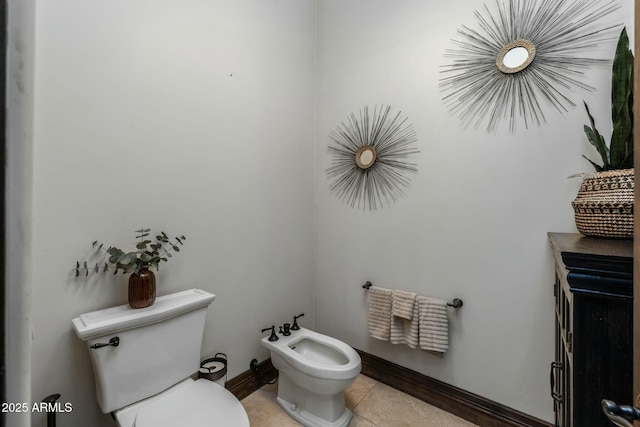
604,204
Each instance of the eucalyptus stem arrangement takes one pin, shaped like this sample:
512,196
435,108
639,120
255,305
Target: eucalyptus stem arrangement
148,254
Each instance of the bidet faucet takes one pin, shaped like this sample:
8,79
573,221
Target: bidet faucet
287,331
273,336
295,326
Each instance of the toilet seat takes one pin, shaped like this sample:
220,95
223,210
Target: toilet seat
199,403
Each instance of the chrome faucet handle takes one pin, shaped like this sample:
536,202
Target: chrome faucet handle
273,336
295,326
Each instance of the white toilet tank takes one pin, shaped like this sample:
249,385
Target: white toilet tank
159,346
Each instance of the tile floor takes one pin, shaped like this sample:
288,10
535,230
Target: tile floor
373,404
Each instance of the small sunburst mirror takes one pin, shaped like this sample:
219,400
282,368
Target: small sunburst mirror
371,157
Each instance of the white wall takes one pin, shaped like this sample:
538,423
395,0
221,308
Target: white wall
195,118
474,223
19,169
198,118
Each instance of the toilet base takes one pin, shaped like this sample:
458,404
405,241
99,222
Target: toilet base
312,409
309,420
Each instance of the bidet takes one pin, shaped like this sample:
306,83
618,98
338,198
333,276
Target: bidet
314,370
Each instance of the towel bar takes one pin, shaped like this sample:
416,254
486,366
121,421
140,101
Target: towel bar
456,303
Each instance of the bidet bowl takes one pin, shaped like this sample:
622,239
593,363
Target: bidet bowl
316,355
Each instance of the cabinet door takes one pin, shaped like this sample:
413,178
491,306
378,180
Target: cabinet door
560,376
602,355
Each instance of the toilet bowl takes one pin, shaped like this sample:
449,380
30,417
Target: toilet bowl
143,360
314,370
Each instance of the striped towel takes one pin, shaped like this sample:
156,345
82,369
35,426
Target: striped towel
434,324
404,318
402,303
404,331
379,321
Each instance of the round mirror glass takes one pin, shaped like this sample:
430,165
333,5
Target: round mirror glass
365,156
515,56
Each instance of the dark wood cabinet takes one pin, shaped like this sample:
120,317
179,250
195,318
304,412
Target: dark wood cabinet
594,327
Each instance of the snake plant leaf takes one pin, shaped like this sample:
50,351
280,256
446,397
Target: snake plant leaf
596,166
621,76
596,139
622,102
622,134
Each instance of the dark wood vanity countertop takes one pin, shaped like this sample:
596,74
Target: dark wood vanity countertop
593,254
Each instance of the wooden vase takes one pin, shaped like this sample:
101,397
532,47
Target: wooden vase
142,288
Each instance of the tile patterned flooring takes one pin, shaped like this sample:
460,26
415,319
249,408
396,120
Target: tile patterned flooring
373,404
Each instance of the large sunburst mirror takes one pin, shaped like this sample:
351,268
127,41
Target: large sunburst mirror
522,55
371,158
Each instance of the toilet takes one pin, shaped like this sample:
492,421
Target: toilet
143,360
314,370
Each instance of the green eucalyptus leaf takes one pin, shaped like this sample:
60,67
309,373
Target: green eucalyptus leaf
95,242
96,268
125,260
141,245
77,272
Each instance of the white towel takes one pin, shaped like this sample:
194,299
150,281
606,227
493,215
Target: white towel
434,324
402,303
379,319
404,318
405,331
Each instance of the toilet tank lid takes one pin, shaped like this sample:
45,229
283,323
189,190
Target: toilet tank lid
123,317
